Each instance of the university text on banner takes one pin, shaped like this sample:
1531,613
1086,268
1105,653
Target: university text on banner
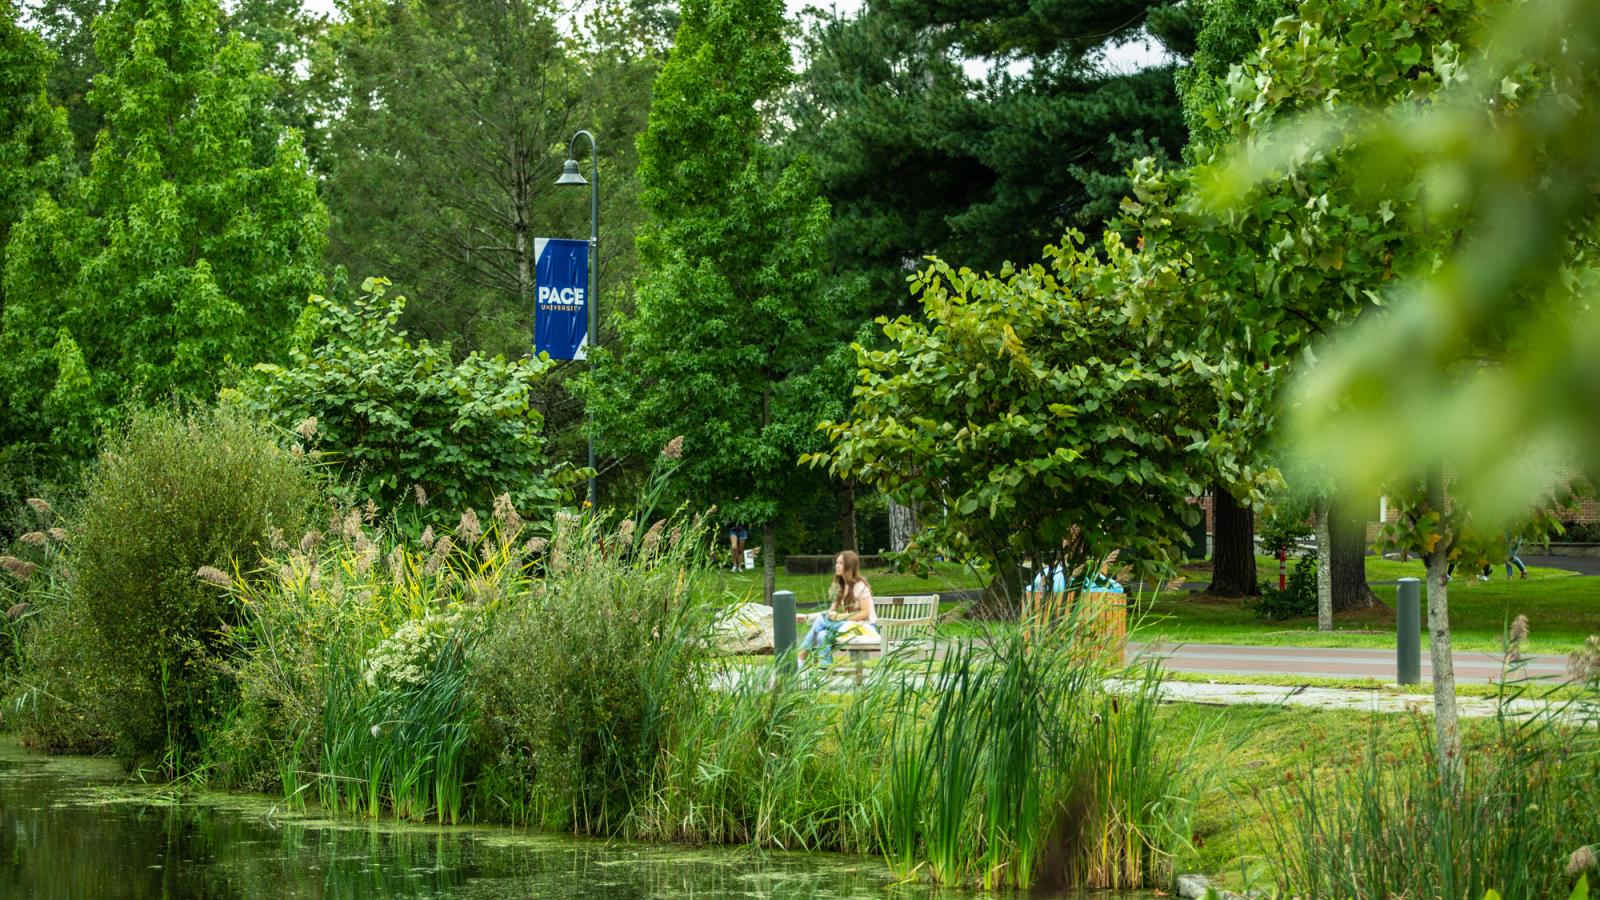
561,308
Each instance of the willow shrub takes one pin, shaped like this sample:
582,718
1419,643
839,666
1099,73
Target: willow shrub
581,680
173,493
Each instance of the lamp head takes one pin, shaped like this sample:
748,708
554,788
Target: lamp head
571,175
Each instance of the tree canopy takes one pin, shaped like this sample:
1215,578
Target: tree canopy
1030,411
975,132
187,247
730,330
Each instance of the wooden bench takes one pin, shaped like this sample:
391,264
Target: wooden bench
901,621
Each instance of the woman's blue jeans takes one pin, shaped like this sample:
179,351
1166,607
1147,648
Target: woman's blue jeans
822,635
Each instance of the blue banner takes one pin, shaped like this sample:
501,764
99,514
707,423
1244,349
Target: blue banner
561,309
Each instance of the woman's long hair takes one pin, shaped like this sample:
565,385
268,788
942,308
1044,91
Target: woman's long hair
844,586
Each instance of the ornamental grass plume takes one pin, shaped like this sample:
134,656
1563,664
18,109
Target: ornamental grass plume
505,513
441,553
58,534
674,448
213,575
34,538
21,568
428,537
350,528
366,555
469,529
535,546
17,609
307,429
625,530
652,538
310,541
419,494
1583,664
1581,860
370,511
39,506
1515,640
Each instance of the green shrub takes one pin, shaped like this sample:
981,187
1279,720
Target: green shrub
581,680
1296,600
390,414
173,494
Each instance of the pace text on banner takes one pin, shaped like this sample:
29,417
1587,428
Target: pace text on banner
561,313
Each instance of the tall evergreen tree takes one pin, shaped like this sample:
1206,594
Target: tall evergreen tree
192,243
977,132
727,343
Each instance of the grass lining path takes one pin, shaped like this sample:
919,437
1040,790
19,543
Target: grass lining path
1562,610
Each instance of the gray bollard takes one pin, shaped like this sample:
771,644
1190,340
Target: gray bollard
1408,631
783,631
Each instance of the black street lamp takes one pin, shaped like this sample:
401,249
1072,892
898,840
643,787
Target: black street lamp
570,175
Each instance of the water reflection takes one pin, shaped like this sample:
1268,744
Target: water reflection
70,829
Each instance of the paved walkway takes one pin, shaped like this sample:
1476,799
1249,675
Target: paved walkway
1357,701
1326,662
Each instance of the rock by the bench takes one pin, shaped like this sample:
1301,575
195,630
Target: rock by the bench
747,628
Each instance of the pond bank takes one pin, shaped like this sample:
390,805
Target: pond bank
75,827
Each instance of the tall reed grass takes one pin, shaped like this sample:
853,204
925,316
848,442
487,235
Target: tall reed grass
353,664
1519,818
1015,761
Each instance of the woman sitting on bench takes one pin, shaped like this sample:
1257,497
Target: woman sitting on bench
850,611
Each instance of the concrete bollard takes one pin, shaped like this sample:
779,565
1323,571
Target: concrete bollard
1408,631
783,639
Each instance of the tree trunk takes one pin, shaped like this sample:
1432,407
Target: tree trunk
1444,674
769,561
1324,569
1233,547
1347,527
902,525
847,514
1002,599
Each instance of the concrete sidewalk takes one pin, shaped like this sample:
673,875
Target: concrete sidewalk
1328,662
1354,700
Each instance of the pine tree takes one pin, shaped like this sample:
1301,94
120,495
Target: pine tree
976,132
189,247
730,338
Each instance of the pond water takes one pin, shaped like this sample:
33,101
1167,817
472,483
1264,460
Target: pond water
72,827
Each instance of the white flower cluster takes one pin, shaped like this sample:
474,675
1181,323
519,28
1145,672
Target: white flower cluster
405,657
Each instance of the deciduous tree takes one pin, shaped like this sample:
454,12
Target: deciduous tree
187,248
1029,408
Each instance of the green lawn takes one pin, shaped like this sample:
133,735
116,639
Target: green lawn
1562,610
812,590
1378,569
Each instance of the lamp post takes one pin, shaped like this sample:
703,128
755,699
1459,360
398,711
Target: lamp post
570,175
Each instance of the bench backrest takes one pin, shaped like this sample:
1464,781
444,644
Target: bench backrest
906,618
